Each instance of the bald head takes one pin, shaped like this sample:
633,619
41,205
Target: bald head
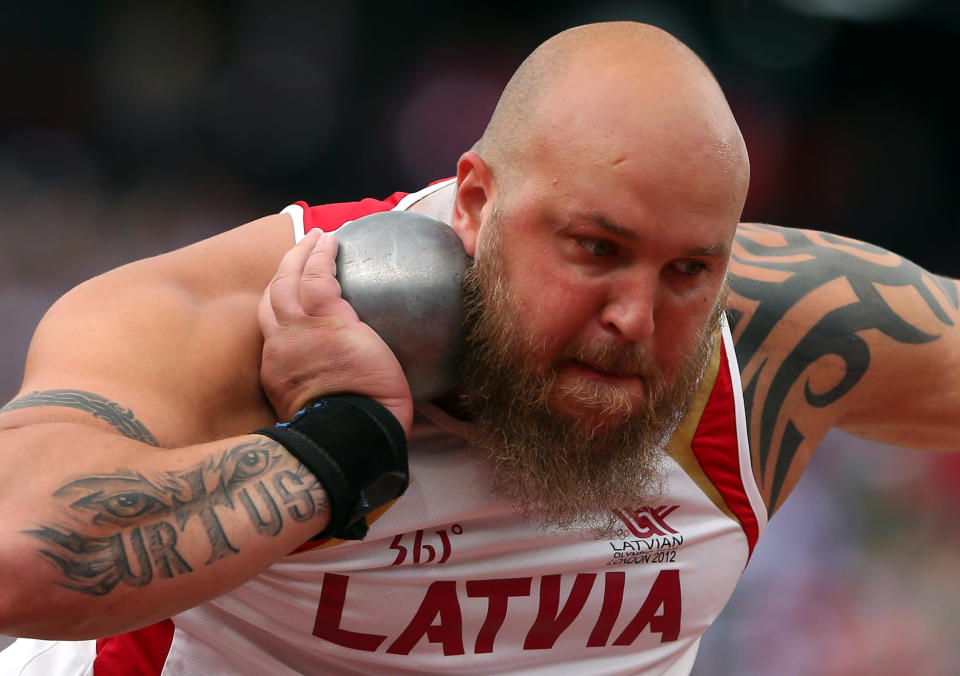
629,82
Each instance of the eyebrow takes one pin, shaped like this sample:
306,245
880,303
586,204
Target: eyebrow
717,249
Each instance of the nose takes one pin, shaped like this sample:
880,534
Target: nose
629,309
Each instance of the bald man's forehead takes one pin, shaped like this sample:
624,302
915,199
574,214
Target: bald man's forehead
617,93
604,116
615,105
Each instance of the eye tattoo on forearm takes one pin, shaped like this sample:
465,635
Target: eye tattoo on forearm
255,479
122,419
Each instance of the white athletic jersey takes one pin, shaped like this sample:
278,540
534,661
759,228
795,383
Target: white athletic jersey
451,579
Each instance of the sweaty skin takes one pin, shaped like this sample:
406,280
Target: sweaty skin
131,488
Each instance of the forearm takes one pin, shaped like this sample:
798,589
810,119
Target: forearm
102,534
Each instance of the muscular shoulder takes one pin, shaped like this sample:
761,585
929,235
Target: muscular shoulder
828,330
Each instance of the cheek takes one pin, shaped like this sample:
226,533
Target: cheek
680,328
552,308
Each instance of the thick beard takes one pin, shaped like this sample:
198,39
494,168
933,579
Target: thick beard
565,471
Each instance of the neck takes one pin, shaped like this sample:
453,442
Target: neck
437,205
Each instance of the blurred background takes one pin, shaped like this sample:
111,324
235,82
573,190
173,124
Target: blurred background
131,128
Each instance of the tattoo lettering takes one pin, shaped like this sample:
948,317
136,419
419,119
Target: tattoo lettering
122,419
254,479
777,278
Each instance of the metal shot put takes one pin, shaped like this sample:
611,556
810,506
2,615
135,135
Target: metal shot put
401,272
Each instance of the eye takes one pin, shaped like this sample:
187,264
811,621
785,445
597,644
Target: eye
601,248
689,268
130,505
117,500
249,463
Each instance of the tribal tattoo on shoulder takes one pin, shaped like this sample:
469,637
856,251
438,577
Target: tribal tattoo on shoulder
120,418
258,480
778,268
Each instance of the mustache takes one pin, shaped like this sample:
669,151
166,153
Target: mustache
617,360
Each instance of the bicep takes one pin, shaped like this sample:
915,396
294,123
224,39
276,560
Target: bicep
835,332
911,395
167,348
163,352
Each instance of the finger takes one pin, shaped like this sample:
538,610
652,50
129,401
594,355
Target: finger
283,290
319,288
322,259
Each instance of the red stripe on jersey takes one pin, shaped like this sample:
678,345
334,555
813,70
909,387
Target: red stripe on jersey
329,217
716,447
142,652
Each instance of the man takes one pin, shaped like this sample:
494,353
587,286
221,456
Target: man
585,500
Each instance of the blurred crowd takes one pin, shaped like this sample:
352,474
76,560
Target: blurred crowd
131,128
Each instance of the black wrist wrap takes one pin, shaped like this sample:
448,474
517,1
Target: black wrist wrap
357,449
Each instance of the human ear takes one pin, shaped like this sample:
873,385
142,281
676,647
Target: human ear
475,191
